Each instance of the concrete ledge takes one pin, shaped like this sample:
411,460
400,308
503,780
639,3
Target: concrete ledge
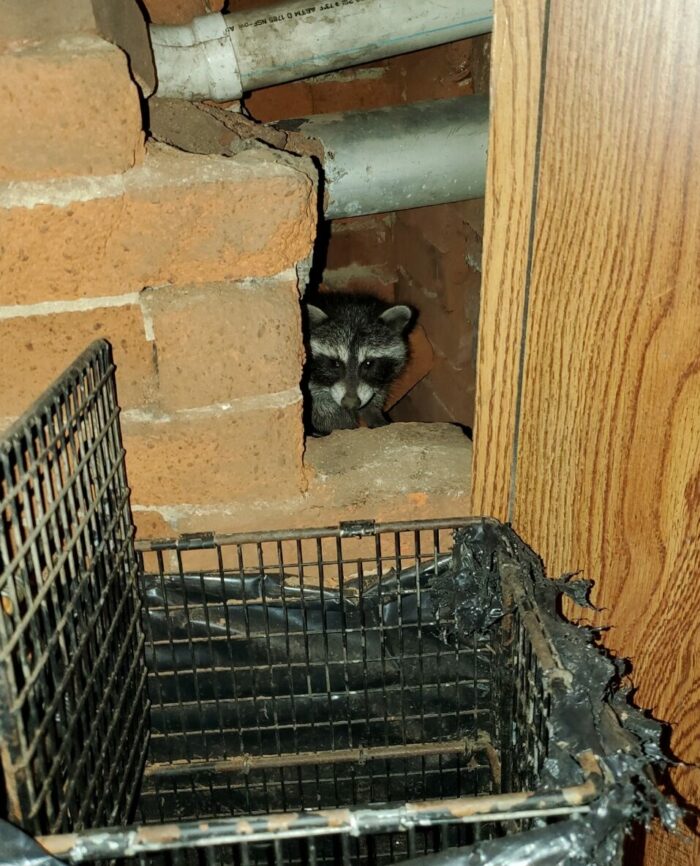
400,472
409,461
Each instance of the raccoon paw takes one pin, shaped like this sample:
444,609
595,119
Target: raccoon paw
374,417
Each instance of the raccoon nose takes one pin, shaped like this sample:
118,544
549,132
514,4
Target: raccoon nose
351,402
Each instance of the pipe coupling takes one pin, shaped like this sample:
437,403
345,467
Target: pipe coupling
196,60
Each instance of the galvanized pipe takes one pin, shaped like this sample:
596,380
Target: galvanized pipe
401,157
223,56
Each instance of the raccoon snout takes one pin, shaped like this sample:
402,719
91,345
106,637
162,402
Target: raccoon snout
351,402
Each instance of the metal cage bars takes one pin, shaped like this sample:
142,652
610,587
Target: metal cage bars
73,707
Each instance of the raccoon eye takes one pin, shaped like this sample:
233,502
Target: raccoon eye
368,364
335,363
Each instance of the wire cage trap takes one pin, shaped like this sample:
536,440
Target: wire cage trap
364,694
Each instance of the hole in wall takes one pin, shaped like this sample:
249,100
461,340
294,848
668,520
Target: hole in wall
428,258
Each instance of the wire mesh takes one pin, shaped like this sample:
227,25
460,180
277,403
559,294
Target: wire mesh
300,721
314,671
73,704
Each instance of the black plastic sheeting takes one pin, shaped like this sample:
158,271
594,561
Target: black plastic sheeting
590,713
283,641
188,607
470,589
460,602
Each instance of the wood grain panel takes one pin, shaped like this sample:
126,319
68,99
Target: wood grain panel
516,51
608,462
605,428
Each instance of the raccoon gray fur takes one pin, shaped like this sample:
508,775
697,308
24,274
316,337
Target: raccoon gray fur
358,347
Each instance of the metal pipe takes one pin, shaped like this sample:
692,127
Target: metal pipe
199,541
248,763
401,157
222,56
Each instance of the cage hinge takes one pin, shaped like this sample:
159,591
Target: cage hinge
196,540
357,528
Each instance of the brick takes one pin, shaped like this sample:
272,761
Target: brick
420,362
67,107
178,218
180,11
123,23
474,215
423,405
441,225
281,102
411,462
460,292
417,256
440,72
151,524
474,249
435,253
21,21
356,278
361,88
448,331
446,394
38,348
219,343
214,457
455,388
481,62
366,241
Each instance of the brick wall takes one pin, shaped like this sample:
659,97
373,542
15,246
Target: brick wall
188,265
438,255
185,264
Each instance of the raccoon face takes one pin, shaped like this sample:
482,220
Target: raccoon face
357,350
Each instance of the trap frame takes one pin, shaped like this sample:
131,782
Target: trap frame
359,694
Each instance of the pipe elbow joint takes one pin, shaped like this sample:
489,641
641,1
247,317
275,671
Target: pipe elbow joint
196,60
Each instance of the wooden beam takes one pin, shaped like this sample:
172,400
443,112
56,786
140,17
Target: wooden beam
516,76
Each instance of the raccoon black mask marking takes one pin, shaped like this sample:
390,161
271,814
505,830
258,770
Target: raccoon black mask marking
358,348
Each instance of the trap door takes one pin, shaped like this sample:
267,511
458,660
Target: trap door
73,705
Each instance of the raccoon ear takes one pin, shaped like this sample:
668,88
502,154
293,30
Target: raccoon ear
397,317
316,315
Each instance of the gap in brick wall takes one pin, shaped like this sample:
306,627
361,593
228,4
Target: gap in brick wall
428,258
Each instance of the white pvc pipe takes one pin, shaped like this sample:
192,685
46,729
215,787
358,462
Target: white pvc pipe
401,157
222,56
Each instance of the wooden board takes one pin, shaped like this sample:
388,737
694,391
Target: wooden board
421,360
516,51
605,427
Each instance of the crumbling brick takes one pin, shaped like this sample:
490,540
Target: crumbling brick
178,218
67,107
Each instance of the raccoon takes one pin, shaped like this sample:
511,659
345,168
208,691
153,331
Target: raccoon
358,347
